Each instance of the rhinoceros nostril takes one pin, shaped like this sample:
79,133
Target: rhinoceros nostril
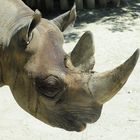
50,86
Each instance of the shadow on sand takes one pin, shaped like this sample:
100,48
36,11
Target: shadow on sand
119,19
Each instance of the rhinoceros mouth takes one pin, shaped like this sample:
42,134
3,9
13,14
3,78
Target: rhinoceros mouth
69,123
79,126
72,123
75,119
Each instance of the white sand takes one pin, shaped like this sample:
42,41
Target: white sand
115,39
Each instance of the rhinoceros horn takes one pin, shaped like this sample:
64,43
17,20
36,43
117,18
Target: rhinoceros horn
82,55
64,20
103,86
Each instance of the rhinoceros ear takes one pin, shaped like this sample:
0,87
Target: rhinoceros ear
22,29
25,31
82,55
64,20
35,21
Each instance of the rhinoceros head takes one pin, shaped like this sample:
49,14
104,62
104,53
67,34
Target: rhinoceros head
57,88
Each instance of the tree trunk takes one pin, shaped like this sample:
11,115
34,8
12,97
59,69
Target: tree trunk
39,4
103,3
32,3
49,4
64,5
90,4
79,4
116,3
125,2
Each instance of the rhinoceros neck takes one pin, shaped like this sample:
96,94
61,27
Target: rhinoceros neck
13,14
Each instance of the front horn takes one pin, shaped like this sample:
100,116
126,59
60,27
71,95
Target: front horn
103,86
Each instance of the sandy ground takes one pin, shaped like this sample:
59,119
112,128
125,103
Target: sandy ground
116,35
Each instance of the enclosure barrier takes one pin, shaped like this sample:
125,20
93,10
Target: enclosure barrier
53,5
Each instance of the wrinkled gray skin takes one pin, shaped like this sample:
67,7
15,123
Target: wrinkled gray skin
57,88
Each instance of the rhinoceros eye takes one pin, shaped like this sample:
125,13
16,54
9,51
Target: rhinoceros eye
51,86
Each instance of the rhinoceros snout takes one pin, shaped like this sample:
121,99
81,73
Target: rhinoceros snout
52,86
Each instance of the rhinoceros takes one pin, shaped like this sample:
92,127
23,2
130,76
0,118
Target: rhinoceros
57,88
